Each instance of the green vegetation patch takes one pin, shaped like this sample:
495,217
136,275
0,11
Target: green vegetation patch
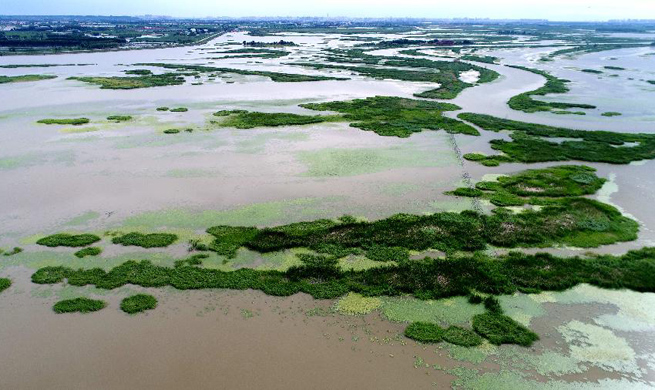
25,78
594,71
119,118
483,59
500,329
524,102
171,131
152,240
356,304
394,116
613,67
79,305
143,81
4,284
70,240
425,332
138,303
179,109
611,114
248,120
274,76
163,108
74,121
91,251
14,251
461,336
530,143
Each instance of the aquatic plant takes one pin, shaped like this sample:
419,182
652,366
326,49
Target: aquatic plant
119,118
248,120
461,336
14,251
74,121
25,78
91,251
530,143
4,284
394,116
163,108
79,305
70,240
611,113
171,131
524,101
425,332
152,240
138,303
500,329
179,109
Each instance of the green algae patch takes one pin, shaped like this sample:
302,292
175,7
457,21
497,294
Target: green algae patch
70,240
500,329
450,311
79,305
91,251
152,240
356,304
73,121
530,143
4,284
353,162
138,303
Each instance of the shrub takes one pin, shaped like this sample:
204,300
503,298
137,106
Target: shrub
79,305
138,303
70,240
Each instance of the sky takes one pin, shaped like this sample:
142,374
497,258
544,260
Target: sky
567,10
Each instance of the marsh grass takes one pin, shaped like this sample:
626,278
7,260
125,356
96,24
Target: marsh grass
91,251
70,240
79,305
4,284
138,303
152,240
73,122
25,78
133,82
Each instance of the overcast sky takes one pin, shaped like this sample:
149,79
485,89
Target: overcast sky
536,9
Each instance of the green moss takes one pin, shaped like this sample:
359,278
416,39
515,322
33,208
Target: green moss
119,118
138,303
500,329
70,240
79,305
4,284
25,78
91,251
152,240
530,143
74,122
524,102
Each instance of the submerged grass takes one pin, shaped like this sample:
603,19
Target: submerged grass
79,305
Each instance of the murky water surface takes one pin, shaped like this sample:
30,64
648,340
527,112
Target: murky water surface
107,176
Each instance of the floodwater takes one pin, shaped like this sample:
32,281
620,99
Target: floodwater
107,176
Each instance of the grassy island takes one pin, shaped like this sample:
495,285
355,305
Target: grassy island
138,303
530,143
25,78
524,102
73,122
142,81
79,305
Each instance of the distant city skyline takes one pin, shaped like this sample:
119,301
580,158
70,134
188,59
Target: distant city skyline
555,10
